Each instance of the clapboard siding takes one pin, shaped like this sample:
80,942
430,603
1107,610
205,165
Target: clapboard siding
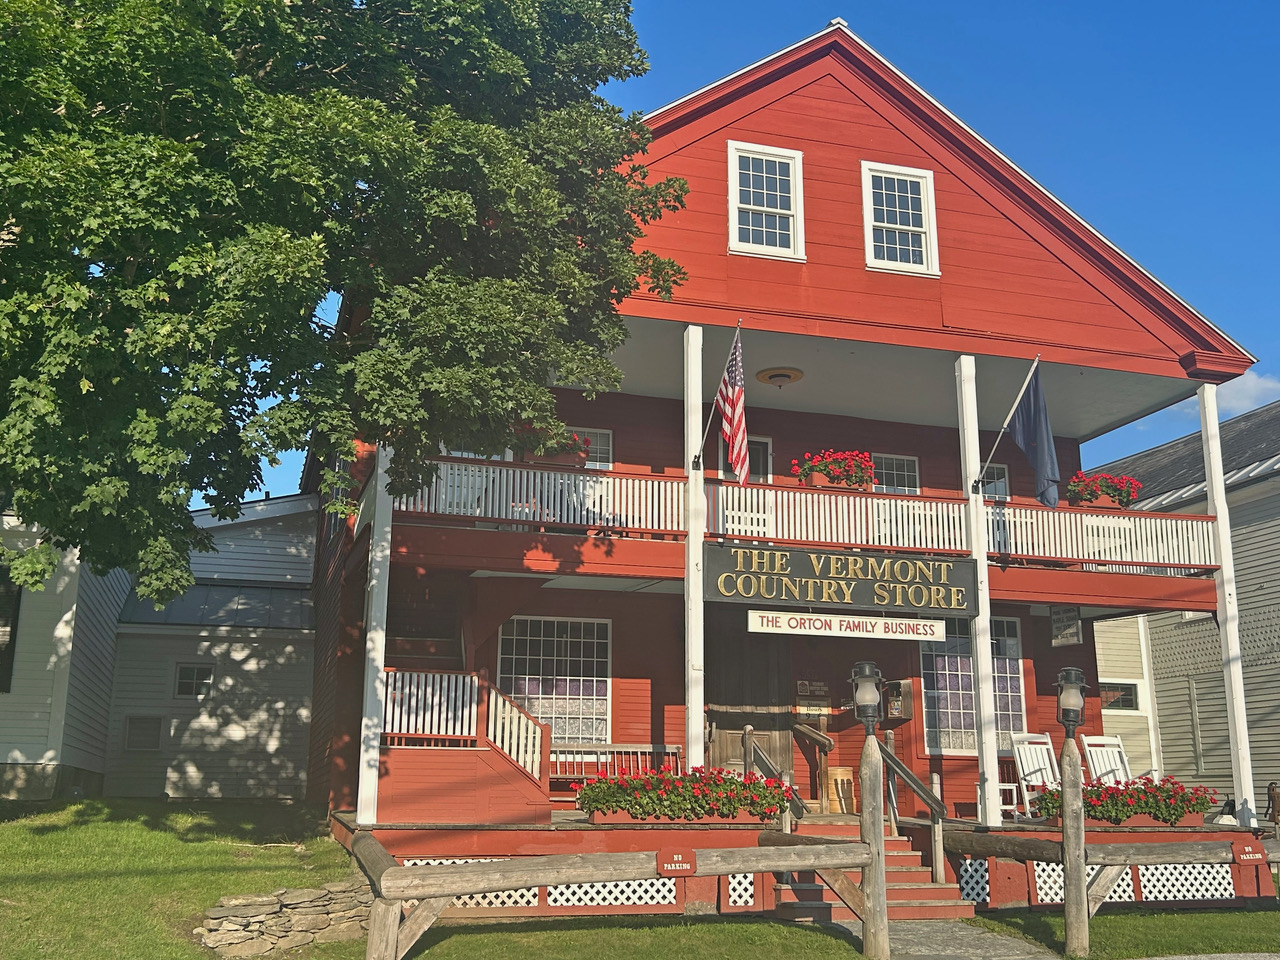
1133,730
98,603
45,624
275,550
246,739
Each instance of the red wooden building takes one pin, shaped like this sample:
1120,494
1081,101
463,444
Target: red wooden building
516,624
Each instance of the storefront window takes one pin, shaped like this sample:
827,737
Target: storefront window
558,670
950,717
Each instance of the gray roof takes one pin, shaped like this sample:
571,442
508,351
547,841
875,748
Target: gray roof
228,605
1250,449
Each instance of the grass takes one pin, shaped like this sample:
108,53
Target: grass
1124,932
125,879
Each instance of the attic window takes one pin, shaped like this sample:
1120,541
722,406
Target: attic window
898,219
766,208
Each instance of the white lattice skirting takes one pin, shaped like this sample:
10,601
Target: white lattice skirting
742,889
659,891
524,897
974,883
1161,881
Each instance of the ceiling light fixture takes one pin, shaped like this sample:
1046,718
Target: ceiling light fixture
779,376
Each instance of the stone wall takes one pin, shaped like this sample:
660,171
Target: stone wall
253,926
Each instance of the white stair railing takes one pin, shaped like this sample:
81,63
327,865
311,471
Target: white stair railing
430,705
515,733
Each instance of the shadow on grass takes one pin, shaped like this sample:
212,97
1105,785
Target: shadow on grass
604,925
1035,926
189,821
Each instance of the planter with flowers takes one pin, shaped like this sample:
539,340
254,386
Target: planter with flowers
1140,802
836,468
1102,490
572,452
698,796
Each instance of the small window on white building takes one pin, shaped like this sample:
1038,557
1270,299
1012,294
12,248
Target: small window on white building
558,670
896,474
142,733
995,482
1118,696
194,681
599,447
766,203
898,219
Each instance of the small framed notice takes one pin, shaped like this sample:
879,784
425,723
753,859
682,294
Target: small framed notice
1248,851
677,862
1066,626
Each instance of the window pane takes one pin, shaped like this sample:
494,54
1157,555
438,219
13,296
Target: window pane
558,682
896,474
898,202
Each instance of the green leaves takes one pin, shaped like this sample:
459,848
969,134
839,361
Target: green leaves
184,182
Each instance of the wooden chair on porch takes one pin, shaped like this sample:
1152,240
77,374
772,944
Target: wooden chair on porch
1037,767
1106,759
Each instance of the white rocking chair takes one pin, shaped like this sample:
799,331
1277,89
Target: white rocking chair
1037,767
1106,759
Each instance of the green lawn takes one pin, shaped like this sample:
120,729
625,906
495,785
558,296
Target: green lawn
126,879
1122,932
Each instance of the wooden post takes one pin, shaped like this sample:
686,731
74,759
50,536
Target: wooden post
384,930
891,788
935,833
1074,878
748,748
875,925
824,772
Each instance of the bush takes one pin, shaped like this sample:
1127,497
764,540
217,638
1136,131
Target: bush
689,796
1167,800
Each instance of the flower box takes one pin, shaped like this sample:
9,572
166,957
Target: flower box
621,816
837,468
822,480
577,459
1137,820
1104,502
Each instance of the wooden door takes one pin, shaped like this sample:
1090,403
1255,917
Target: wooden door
748,682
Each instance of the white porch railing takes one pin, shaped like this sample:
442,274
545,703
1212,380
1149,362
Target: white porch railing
515,493
1131,539
430,705
515,733
832,517
572,761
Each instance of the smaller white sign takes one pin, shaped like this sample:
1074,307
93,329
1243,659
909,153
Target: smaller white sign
1066,626
845,625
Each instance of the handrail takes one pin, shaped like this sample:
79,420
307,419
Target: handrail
825,743
527,741
936,806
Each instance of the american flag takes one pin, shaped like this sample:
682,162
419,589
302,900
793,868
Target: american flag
731,401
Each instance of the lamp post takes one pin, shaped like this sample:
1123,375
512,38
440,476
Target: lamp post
1071,687
868,684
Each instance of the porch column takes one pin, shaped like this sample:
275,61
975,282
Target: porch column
1228,607
376,502
695,512
984,694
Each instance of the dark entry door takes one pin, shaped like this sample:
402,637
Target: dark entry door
748,682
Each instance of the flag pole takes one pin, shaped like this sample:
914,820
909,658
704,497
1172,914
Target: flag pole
977,482
697,460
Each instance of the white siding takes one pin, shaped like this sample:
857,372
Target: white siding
273,550
249,738
84,733
28,731
1119,650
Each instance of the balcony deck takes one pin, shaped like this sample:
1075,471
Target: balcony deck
506,495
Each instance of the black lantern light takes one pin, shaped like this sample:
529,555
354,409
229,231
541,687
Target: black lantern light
1071,688
867,686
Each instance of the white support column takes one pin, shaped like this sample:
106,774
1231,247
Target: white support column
1228,607
376,593
695,512
980,626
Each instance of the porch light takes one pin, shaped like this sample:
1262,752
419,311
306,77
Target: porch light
1070,699
779,376
867,686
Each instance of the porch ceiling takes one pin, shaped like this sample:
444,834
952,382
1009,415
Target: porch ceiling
887,382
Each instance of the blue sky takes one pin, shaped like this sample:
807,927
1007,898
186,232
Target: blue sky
1156,122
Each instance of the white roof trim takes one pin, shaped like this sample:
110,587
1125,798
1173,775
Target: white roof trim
1196,491
840,24
256,510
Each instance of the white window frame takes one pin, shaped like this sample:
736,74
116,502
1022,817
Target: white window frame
930,266
997,468
931,648
796,159
1139,706
879,487
596,464
177,679
729,476
609,685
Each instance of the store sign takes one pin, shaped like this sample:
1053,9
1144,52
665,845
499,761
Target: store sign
844,625
799,577
1066,626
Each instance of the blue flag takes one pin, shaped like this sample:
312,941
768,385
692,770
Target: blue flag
1030,430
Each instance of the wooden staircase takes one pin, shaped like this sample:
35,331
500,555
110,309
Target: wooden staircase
911,892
